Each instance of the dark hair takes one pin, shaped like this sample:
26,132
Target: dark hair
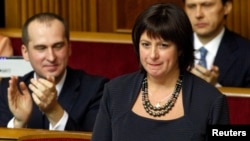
43,18
223,1
169,22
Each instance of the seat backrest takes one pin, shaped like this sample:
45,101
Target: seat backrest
238,100
56,137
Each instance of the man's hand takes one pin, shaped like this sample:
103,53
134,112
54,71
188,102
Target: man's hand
45,96
211,76
20,102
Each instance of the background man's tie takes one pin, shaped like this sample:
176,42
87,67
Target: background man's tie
202,60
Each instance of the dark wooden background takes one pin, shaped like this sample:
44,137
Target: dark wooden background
116,16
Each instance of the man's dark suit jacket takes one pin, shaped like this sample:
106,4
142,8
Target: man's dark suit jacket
80,97
233,60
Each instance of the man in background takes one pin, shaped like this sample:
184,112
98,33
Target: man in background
226,53
53,96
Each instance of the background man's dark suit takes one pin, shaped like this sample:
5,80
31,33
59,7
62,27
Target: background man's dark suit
233,60
80,97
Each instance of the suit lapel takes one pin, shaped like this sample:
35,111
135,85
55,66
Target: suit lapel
227,54
69,92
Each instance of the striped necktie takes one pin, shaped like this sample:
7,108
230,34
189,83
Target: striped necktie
203,53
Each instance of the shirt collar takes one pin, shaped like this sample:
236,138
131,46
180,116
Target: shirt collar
210,46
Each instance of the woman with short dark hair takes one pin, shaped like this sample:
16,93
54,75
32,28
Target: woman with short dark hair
163,101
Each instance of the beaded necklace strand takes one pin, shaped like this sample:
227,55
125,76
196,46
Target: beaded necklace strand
158,111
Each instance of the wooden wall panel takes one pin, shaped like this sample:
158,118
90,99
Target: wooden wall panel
239,18
105,15
13,13
79,13
127,11
76,15
92,16
108,15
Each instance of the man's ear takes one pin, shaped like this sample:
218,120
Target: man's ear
228,7
25,54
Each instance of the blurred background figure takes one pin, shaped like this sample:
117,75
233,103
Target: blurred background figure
226,54
6,48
